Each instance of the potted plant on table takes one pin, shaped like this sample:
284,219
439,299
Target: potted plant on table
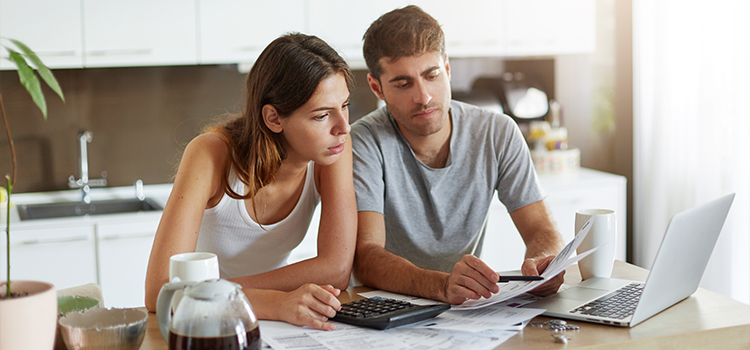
28,309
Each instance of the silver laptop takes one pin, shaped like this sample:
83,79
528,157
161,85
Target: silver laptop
677,270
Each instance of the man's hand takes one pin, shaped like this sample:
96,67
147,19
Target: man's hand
534,267
310,305
471,279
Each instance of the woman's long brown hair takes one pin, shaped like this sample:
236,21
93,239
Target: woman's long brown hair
285,76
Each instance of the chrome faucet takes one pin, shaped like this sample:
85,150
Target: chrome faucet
138,184
84,183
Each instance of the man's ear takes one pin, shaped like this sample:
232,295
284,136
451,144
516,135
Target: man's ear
272,119
375,86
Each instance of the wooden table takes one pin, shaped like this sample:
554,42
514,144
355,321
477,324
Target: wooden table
705,320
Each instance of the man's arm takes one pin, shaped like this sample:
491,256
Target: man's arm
543,243
376,267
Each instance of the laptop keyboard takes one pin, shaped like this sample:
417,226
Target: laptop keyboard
618,304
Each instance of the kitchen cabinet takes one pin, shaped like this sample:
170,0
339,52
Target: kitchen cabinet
109,33
342,24
110,250
124,249
103,33
139,33
472,27
52,28
343,27
232,31
503,247
548,27
64,256
113,253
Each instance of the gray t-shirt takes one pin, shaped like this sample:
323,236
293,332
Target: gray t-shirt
433,217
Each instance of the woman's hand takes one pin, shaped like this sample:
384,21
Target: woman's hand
310,305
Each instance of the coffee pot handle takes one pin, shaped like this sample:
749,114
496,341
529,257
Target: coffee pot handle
164,304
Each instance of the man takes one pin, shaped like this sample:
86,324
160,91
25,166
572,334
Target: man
426,168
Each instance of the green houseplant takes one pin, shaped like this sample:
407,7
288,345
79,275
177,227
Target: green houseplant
28,309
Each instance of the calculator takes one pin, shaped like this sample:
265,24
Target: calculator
383,313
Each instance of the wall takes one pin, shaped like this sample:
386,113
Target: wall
141,119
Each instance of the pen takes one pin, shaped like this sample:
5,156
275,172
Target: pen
504,279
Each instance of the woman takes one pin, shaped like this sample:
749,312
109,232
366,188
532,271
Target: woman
246,189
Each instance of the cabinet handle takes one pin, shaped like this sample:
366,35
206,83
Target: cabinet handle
114,237
56,53
124,52
56,240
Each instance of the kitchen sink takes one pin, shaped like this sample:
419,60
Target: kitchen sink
75,209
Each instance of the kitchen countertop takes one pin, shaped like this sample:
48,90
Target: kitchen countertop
158,192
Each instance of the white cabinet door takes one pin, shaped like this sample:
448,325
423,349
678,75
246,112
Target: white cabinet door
232,31
52,28
342,23
139,33
124,250
549,27
64,256
472,28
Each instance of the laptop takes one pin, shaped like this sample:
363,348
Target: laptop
676,272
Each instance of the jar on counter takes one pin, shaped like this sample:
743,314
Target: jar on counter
556,139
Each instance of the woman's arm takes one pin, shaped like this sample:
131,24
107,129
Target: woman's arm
337,235
197,186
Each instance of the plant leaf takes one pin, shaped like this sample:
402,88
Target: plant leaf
29,80
44,72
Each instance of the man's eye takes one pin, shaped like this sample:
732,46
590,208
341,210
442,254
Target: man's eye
432,76
402,85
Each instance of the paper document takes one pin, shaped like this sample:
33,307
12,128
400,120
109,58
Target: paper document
515,288
477,320
435,339
401,297
283,336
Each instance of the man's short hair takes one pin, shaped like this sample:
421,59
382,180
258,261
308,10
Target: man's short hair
401,33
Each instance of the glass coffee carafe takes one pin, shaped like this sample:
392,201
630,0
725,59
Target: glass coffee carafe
212,314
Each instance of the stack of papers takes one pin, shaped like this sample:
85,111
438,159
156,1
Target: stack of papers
484,328
475,324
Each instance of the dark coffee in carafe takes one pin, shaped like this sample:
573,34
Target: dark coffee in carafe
229,342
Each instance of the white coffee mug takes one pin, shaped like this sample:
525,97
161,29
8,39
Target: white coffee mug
193,267
603,233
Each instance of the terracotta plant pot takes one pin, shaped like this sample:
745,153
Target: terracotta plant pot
28,322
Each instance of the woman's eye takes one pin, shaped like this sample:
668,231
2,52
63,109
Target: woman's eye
321,117
346,105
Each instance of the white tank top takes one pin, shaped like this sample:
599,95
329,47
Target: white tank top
242,246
